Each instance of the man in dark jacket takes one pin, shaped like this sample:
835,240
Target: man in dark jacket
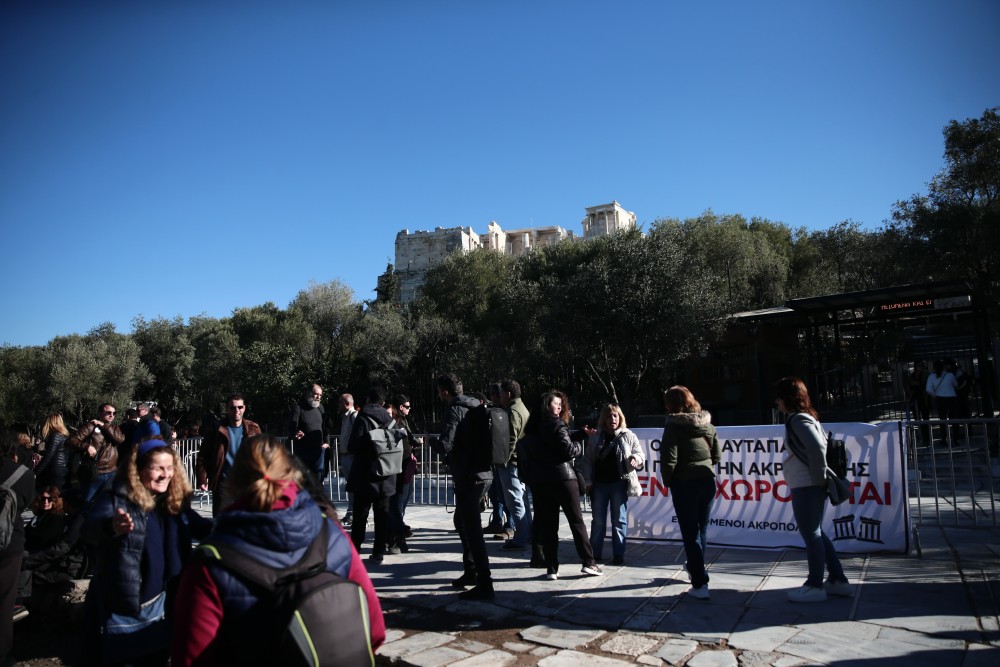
308,432
10,557
471,485
371,492
219,447
98,441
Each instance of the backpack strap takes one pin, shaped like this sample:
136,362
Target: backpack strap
265,576
13,477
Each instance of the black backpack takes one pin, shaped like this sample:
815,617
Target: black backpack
486,431
318,617
836,456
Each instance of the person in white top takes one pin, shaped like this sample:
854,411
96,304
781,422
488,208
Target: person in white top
942,388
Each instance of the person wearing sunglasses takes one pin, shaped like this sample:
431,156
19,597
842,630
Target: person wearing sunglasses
96,443
219,447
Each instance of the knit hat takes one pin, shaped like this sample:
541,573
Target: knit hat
145,447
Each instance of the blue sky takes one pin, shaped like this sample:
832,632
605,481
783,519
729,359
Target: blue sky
182,158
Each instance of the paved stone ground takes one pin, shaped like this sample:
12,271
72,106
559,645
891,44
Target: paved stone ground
937,609
940,609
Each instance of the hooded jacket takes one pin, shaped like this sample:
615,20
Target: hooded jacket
689,447
362,478
454,446
221,610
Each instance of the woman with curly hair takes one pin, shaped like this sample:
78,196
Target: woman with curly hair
53,468
275,520
142,527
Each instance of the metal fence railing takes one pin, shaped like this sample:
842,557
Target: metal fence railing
952,465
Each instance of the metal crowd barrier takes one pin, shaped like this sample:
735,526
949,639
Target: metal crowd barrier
951,466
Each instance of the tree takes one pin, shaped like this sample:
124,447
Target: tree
958,220
24,373
332,314
167,351
103,366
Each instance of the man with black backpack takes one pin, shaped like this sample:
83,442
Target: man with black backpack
472,476
371,483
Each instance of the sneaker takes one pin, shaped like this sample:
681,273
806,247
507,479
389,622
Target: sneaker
618,560
478,592
467,579
551,576
376,558
507,534
20,611
347,520
537,561
839,588
511,545
699,593
393,550
592,570
807,594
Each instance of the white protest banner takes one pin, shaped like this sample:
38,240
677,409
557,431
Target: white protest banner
753,503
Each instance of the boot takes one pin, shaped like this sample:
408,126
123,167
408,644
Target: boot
537,557
467,579
481,591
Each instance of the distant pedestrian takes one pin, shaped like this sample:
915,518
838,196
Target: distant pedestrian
308,429
219,446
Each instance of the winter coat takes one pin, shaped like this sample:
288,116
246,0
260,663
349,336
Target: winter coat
452,444
120,568
212,453
547,452
219,609
625,445
689,447
804,436
24,491
106,439
362,478
53,468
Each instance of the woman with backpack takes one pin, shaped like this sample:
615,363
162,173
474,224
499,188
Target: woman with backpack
805,473
223,618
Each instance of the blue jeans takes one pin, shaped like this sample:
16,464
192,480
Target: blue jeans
97,483
605,496
500,516
808,506
515,502
693,500
397,509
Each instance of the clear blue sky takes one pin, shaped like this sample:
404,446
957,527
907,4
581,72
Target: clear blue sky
170,158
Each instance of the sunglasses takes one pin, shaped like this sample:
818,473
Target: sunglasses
237,407
47,499
407,406
109,412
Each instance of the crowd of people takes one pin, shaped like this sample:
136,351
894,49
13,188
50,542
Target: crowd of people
112,501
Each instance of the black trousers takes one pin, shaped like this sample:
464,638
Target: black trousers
550,497
366,502
10,568
475,560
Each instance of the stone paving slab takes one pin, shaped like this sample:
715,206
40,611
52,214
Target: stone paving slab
440,656
491,658
576,659
762,638
561,635
713,659
626,643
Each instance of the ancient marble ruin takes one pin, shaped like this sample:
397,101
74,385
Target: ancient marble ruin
419,251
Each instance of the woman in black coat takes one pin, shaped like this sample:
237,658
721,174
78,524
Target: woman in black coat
550,451
53,468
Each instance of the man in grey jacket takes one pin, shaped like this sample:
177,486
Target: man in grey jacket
471,484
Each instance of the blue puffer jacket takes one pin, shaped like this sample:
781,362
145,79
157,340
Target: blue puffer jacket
120,558
279,539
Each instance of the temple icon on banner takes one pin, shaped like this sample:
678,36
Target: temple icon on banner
871,529
843,528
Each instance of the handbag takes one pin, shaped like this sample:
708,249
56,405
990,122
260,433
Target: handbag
634,487
838,489
126,638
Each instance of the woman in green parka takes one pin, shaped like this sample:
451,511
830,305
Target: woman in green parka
690,450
